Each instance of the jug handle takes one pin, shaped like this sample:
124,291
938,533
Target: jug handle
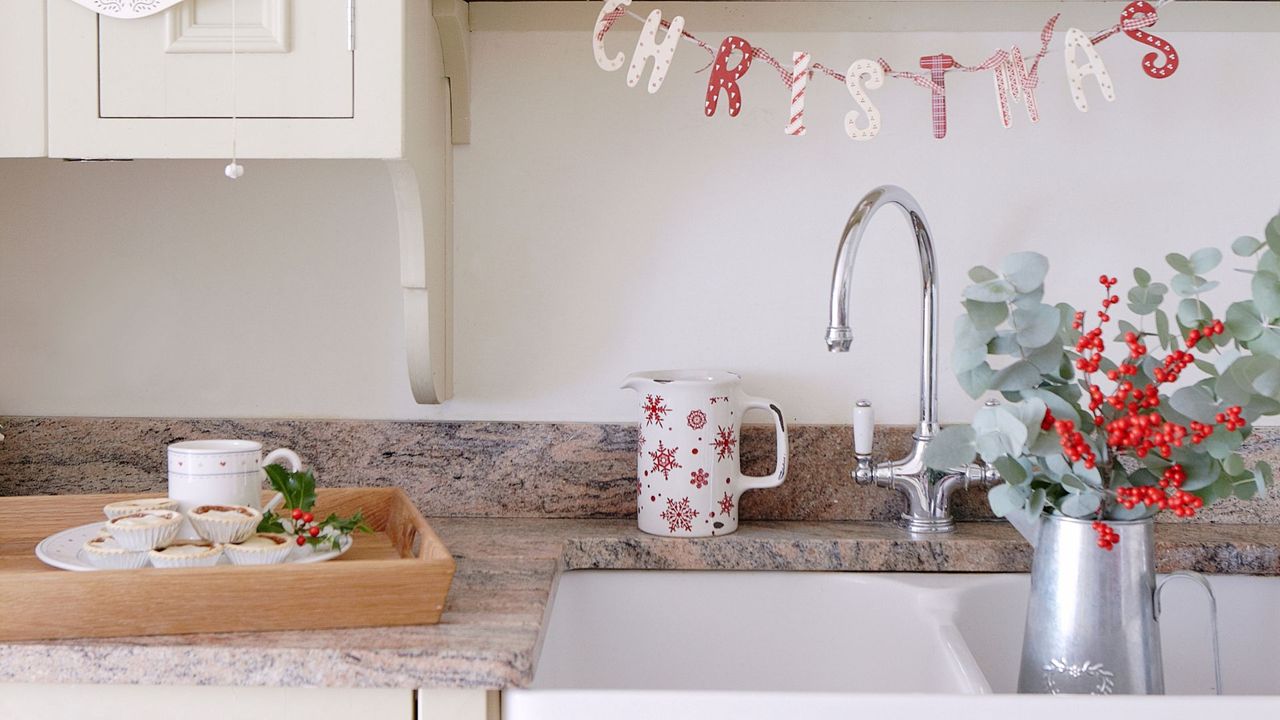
1203,582
754,482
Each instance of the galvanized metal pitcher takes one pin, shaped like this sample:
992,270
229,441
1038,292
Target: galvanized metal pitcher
1093,615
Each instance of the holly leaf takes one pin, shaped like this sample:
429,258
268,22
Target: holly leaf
298,488
270,523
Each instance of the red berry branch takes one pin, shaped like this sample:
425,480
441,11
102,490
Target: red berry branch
1137,425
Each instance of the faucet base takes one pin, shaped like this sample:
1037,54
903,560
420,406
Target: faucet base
926,526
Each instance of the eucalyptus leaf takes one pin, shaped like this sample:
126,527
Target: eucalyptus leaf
1012,471
1245,246
971,337
1141,276
1074,484
1036,326
1266,294
1205,259
1021,375
1273,234
1000,421
997,290
986,315
982,273
1195,402
1007,499
1191,285
965,359
1005,343
1193,313
1243,321
1081,505
952,447
1150,294
1235,384
1162,329
1026,270
1270,261
1180,263
977,381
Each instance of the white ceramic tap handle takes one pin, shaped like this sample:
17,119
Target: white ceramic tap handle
864,426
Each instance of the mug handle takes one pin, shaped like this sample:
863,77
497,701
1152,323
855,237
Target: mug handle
756,482
295,465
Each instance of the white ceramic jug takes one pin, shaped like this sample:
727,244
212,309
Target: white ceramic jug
689,473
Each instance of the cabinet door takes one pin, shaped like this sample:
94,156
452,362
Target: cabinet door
22,79
293,59
160,86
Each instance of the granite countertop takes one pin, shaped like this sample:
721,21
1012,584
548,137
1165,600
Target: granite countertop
506,576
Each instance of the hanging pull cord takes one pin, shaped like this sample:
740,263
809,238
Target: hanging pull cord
234,169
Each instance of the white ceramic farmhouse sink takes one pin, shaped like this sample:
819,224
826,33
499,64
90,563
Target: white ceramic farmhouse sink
676,645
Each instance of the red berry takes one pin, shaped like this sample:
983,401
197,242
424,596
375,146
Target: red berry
308,517
313,531
301,540
296,514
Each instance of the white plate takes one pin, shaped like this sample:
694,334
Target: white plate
62,549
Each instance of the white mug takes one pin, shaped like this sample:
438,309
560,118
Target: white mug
222,472
689,477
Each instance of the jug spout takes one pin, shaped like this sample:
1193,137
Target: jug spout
1028,527
632,382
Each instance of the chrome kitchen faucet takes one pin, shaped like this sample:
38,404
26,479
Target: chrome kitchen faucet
928,492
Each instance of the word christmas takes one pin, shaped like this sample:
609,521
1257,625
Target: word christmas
1015,80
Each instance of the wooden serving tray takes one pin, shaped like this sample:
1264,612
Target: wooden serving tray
398,575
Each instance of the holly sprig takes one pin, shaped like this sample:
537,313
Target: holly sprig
299,491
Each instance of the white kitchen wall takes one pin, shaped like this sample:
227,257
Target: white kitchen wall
601,230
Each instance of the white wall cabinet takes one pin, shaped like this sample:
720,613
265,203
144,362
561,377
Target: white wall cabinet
309,82
293,60
22,79
312,79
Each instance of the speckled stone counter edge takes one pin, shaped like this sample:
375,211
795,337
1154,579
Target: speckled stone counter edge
503,590
492,469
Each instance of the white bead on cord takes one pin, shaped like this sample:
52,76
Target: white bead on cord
233,170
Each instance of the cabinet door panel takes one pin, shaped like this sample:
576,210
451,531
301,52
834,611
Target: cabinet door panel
292,61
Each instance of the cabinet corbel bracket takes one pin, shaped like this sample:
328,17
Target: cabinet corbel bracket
454,25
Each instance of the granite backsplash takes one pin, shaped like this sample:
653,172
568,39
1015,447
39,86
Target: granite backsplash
491,469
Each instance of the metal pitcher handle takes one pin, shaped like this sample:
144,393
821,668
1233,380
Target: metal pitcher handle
1203,582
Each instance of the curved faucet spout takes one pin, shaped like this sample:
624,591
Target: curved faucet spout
840,337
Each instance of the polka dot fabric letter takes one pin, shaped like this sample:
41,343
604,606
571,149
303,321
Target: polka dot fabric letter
1149,66
725,78
1077,40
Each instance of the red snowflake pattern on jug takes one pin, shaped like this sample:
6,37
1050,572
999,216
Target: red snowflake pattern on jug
698,478
724,443
640,444
655,410
664,460
679,515
726,504
697,419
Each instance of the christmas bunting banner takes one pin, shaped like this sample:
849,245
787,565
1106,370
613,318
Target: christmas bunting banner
1015,76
